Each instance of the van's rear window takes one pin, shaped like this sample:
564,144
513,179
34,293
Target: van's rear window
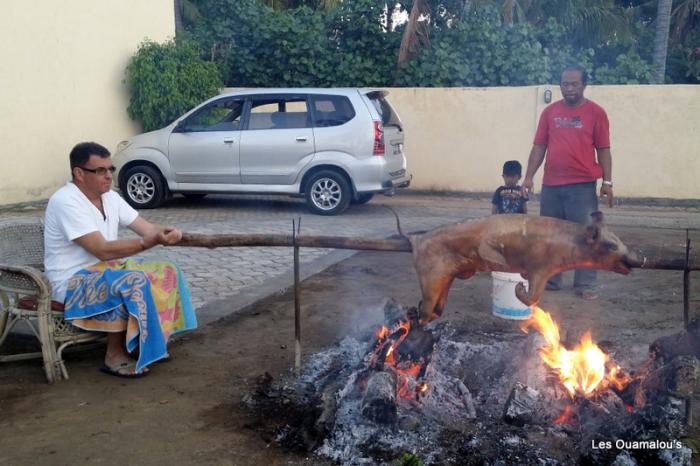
331,110
389,117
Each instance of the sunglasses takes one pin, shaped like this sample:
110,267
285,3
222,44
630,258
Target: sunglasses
99,171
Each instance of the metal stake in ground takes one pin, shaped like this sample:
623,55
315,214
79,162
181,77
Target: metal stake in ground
296,228
686,318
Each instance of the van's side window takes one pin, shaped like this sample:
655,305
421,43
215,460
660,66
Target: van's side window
222,115
331,110
279,113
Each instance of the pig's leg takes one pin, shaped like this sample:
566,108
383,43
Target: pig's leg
538,281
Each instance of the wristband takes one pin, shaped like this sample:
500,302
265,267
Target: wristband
607,183
142,244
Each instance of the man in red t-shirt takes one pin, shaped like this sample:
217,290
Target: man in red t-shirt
571,132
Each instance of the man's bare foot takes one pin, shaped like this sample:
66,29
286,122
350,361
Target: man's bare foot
126,369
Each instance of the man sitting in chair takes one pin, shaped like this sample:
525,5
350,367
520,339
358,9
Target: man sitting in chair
139,303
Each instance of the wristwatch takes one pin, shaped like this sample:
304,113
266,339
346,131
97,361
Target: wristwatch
607,183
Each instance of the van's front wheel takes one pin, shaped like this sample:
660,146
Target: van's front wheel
142,187
328,193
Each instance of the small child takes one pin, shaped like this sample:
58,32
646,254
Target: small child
509,199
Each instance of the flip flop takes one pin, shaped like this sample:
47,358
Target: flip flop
167,358
124,370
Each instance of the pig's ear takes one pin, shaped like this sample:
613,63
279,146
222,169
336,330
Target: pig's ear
592,233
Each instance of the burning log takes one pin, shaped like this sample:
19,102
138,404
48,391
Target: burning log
678,378
379,403
327,406
600,410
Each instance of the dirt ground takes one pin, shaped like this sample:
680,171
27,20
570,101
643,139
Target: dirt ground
189,410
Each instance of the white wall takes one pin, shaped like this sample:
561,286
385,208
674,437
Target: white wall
61,83
458,138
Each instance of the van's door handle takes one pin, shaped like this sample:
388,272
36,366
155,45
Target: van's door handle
229,141
301,138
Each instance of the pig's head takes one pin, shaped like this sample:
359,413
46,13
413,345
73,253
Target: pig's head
605,250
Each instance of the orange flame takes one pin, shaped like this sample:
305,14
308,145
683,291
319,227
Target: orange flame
581,369
406,371
567,417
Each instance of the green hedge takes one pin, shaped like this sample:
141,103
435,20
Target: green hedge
166,80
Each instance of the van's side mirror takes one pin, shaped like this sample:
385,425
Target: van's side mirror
180,127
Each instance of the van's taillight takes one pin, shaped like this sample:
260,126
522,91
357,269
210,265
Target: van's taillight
378,138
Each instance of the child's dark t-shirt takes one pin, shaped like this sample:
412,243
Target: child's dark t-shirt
509,200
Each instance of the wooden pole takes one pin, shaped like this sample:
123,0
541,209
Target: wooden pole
297,299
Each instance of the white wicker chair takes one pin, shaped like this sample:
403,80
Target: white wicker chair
25,296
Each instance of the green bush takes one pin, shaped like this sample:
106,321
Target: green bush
166,80
628,69
257,46
407,459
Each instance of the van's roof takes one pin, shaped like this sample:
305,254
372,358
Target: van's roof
303,90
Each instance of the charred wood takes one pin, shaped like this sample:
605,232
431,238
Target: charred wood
677,378
685,343
417,346
522,405
379,403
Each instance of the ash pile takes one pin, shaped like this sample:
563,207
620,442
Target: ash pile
408,389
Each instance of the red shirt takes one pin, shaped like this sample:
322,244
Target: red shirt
571,135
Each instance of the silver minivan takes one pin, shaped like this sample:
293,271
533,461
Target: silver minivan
333,146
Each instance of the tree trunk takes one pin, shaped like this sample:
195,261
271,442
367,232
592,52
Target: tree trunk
179,28
416,34
663,25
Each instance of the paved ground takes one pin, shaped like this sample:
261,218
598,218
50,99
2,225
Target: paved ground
226,279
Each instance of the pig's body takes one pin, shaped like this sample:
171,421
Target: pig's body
538,246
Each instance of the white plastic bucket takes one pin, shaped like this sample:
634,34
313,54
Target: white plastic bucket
505,303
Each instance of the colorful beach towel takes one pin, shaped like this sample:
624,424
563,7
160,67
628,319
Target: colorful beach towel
147,299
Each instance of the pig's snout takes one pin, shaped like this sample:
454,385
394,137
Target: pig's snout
628,261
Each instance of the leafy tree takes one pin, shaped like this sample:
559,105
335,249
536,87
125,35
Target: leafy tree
165,80
478,51
447,42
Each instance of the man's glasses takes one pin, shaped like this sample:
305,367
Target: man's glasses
100,170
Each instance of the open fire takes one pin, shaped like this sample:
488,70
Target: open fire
479,399
408,357
581,370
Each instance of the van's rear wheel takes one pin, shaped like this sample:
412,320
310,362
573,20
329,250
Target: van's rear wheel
328,193
142,187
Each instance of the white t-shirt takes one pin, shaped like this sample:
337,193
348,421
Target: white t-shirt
70,215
